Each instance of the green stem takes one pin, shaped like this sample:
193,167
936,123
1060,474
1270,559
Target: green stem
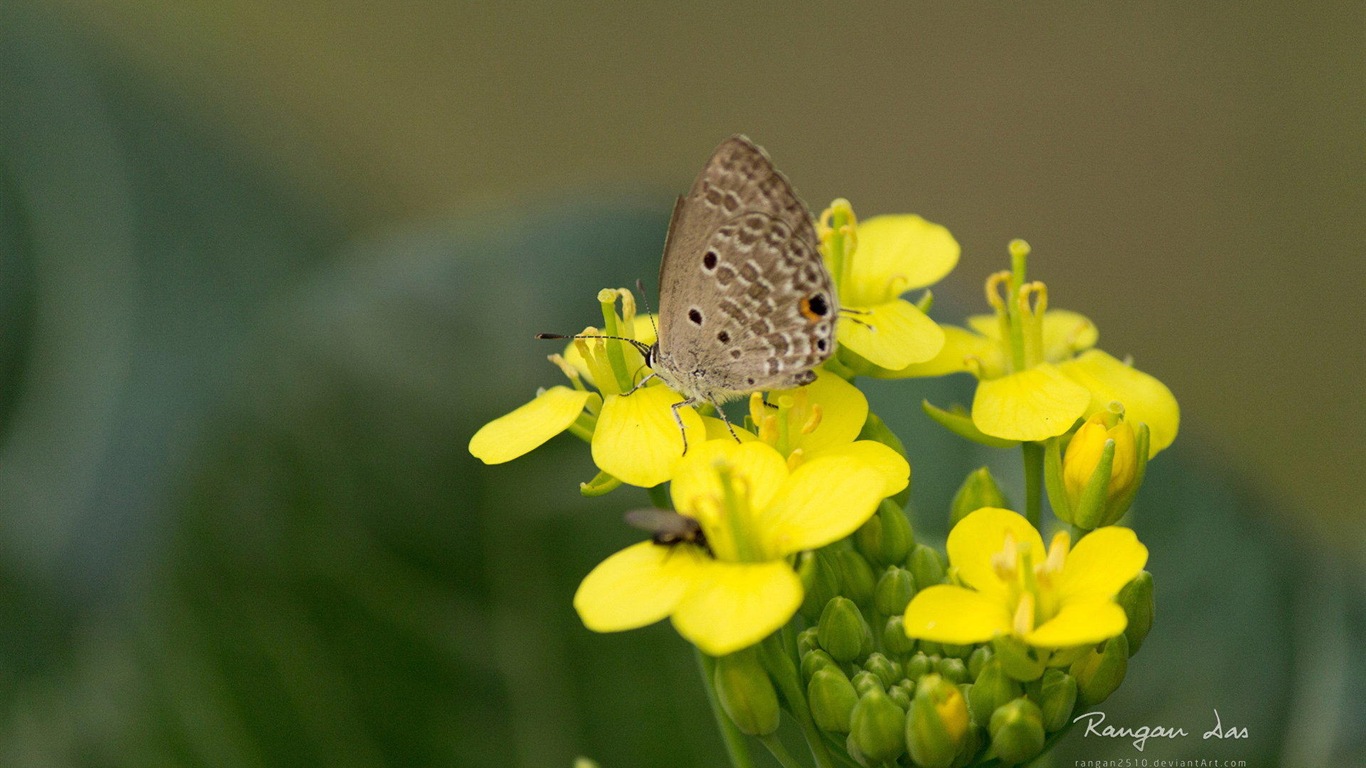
779,752
777,653
730,735
1033,472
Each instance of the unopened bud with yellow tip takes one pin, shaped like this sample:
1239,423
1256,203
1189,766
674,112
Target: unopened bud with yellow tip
937,724
1094,482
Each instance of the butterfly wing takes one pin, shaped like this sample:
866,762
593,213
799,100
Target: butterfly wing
745,300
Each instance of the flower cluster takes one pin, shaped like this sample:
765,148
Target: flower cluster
782,550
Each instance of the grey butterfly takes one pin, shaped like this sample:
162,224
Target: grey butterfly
745,302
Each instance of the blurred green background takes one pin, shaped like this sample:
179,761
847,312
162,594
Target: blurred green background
265,267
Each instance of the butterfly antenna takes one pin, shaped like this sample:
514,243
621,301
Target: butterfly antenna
643,348
851,316
645,299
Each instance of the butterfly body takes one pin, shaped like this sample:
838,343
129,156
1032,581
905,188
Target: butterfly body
745,301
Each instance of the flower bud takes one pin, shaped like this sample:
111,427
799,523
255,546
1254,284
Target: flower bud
1101,471
926,565
1016,658
992,689
1056,695
886,538
877,728
875,429
1016,731
894,638
807,641
1136,598
842,632
956,651
832,699
932,649
977,491
893,592
977,661
888,671
901,696
856,576
951,669
814,661
821,581
746,693
937,723
865,681
1098,674
919,666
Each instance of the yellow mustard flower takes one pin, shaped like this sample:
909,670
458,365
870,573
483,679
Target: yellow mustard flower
633,438
1038,370
873,263
754,512
1059,598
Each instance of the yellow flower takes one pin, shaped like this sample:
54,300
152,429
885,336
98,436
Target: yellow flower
754,513
1038,371
873,263
1049,599
634,438
821,419
1084,453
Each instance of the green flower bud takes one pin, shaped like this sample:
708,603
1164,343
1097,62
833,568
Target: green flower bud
887,671
842,632
1017,659
937,724
919,666
856,576
1098,674
992,689
977,660
893,592
1063,658
875,429
931,648
1056,695
926,565
894,638
807,641
877,728
821,579
956,651
865,681
832,698
746,693
953,670
886,538
900,696
814,661
1016,731
1136,598
977,491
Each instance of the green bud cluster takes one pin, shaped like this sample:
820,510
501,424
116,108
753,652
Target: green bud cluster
887,698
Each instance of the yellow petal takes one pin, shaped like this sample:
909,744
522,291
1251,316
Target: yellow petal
977,538
895,471
756,470
1100,564
716,430
947,614
891,335
1065,333
732,606
637,440
527,428
637,586
961,348
844,409
1080,624
897,254
1145,399
823,501
1035,404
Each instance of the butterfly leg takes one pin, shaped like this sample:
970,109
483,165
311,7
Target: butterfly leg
678,419
722,413
640,384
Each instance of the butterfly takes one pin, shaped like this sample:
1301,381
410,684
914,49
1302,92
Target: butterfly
745,301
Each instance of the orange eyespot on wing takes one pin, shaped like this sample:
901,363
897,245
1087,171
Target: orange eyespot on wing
814,307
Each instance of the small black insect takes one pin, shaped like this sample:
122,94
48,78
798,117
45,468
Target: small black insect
668,529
